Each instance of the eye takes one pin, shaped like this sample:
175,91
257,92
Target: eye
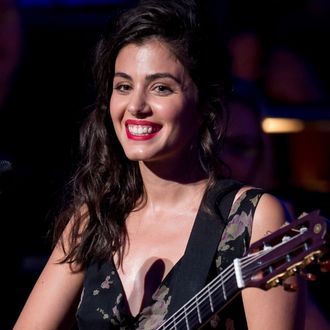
122,88
162,89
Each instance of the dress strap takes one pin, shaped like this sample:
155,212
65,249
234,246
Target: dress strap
210,222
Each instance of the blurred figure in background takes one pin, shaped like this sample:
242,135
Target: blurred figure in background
248,150
10,56
282,74
10,46
262,78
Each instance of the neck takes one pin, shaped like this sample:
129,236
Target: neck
183,168
169,185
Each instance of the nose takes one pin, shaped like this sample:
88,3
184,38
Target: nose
138,105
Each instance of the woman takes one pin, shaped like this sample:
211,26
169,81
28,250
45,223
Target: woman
149,169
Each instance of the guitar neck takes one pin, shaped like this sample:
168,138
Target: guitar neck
210,300
268,263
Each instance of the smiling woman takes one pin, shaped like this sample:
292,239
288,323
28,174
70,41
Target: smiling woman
150,219
150,83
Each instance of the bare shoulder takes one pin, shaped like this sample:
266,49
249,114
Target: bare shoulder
269,216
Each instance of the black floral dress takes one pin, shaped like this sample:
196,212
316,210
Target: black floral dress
103,304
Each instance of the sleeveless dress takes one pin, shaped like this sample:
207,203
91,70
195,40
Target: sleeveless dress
103,304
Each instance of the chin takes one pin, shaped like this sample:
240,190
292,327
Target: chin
136,156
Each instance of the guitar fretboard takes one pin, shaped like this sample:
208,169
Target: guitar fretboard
211,299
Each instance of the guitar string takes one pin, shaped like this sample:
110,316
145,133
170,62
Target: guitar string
213,286
218,300
215,295
246,264
204,294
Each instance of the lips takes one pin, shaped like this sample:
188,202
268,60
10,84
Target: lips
141,129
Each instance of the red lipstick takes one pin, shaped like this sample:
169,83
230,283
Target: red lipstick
141,130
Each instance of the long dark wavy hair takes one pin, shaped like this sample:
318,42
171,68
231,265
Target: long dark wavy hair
107,186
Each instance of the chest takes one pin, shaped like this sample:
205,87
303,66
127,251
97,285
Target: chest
155,245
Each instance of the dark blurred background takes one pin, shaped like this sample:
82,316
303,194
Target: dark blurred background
46,49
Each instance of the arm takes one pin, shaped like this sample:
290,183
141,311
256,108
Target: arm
54,298
275,308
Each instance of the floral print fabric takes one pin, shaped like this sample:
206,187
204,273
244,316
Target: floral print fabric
103,304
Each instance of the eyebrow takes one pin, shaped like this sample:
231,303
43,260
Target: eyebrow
150,77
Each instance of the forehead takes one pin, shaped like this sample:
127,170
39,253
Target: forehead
153,53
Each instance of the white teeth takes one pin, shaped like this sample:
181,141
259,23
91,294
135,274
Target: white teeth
139,129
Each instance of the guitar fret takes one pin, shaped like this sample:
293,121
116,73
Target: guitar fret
198,311
224,293
186,318
210,298
177,322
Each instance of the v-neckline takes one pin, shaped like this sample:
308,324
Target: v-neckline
174,267
123,292
167,276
